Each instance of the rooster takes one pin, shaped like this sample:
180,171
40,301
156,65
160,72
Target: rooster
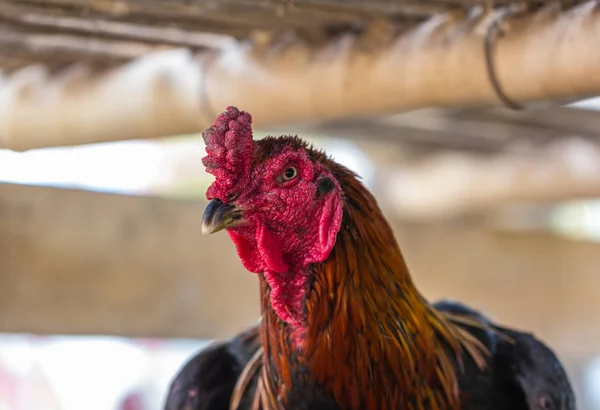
343,326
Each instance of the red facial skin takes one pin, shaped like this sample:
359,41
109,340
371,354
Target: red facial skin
288,224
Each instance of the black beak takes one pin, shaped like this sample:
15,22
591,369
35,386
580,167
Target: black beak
218,216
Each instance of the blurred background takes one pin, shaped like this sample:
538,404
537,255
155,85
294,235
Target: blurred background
106,238
106,284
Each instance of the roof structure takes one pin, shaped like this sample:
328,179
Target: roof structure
109,32
85,71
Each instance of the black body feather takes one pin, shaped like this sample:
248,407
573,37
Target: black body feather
207,380
522,373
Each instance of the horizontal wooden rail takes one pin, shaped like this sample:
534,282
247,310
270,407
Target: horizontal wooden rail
548,56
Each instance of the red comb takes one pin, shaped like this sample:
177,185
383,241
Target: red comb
229,146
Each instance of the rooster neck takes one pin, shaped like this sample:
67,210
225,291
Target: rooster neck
370,340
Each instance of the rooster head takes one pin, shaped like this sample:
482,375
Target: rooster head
276,197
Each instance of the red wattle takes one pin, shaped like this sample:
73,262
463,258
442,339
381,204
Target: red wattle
269,248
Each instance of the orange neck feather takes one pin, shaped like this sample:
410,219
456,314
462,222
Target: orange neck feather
371,340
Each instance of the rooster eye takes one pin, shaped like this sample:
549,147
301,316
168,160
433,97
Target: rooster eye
290,174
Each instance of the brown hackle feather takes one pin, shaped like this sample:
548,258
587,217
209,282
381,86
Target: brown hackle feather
257,403
268,398
253,366
371,341
464,320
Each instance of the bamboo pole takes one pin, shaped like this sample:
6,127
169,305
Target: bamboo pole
440,63
76,262
451,185
86,263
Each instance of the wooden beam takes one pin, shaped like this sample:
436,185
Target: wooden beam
534,281
421,138
553,122
446,185
92,263
79,262
500,127
439,63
